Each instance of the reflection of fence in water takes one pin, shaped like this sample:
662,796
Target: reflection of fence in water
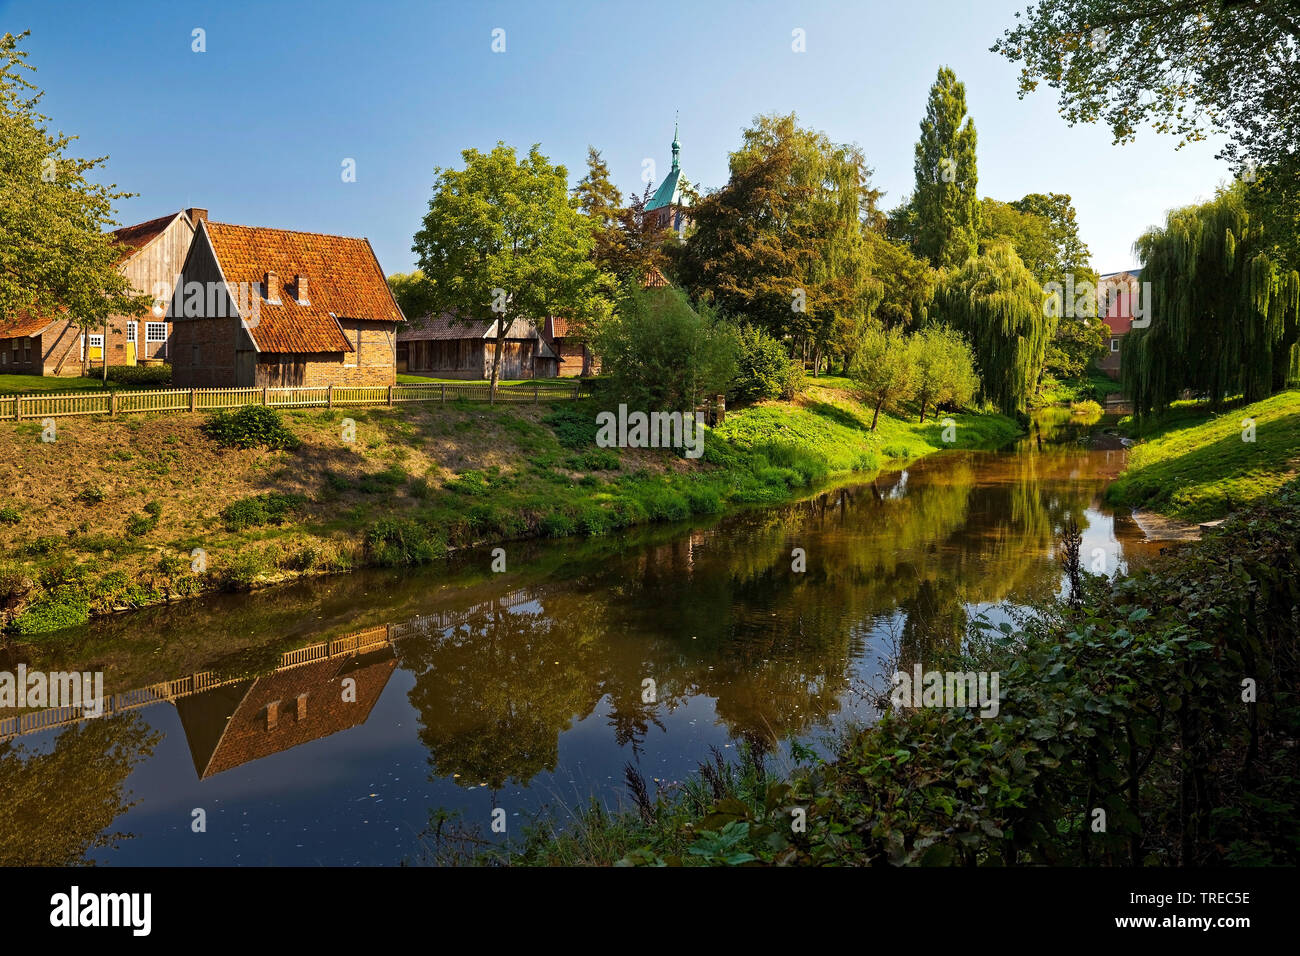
349,645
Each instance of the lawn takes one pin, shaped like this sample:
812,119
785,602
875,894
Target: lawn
1197,465
31,384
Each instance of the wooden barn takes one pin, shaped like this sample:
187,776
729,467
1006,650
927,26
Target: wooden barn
273,307
152,254
444,346
572,352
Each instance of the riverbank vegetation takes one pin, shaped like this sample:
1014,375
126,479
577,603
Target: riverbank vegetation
1148,719
1197,464
119,514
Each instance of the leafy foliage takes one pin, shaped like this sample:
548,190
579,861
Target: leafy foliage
1224,315
659,354
764,368
998,305
945,201
252,426
271,508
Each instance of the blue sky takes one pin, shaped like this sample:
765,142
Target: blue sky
257,127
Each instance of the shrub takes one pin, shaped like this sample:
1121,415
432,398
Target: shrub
764,368
473,483
140,374
139,525
250,427
270,508
596,459
660,354
393,542
66,606
10,515
92,495
574,425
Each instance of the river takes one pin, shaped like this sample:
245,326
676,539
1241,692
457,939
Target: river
533,688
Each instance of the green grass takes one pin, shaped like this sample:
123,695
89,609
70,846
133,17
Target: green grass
32,384
1198,466
404,379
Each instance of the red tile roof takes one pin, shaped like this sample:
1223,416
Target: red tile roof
23,324
344,280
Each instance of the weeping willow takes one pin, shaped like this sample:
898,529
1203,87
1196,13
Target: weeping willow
1223,311
998,304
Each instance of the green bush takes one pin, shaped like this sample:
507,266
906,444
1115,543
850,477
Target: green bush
140,374
764,368
92,495
574,425
595,459
139,525
10,515
253,426
66,606
270,508
394,542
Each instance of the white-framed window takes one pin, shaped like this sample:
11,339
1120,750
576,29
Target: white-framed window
1114,345
155,331
97,341
131,328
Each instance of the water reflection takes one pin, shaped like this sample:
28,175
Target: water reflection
519,685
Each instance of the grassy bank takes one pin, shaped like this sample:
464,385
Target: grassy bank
1197,465
122,513
1123,737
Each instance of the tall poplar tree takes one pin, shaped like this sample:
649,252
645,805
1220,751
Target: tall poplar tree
945,201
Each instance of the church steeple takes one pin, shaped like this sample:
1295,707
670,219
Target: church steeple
677,148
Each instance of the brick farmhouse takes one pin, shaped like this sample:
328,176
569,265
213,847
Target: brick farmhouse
152,253
275,307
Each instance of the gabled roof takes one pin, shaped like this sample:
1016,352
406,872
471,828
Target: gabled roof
136,237
344,281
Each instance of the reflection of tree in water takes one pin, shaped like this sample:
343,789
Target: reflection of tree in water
720,613
934,625
53,806
495,694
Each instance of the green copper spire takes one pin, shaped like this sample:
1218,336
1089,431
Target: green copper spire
677,147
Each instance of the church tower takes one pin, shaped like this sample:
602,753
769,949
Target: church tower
669,204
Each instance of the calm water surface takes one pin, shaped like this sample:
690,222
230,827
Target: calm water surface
525,689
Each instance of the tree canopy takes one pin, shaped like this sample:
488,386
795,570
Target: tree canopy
54,252
504,240
1224,310
782,242
998,305
945,201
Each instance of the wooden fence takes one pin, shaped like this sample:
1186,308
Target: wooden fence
25,407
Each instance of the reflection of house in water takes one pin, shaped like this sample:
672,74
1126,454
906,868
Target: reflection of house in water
232,725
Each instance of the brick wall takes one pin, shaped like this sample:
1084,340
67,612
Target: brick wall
203,352
372,363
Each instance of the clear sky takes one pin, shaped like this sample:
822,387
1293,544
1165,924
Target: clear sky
257,128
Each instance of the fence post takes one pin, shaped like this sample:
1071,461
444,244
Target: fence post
18,408
535,388
390,395
442,394
112,404
329,395
266,395
194,399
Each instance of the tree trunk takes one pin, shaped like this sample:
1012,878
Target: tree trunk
497,346
103,353
874,418
923,404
